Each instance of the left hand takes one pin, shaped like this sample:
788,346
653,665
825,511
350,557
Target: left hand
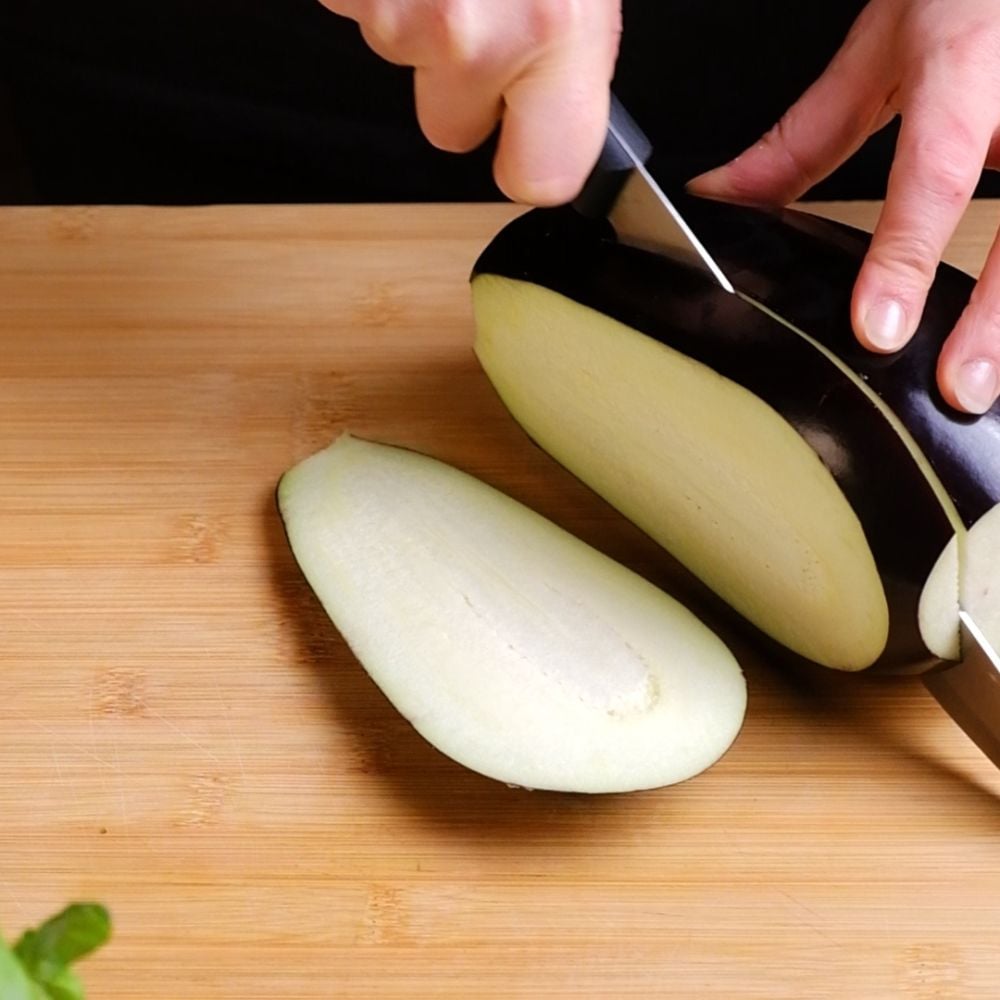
937,64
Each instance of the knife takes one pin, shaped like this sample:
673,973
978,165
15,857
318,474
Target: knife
969,691
622,190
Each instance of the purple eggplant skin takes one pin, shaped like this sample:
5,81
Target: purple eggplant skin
803,268
903,520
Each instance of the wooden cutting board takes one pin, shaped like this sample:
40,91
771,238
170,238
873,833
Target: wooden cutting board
184,736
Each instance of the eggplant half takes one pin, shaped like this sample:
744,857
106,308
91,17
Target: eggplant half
822,491
509,644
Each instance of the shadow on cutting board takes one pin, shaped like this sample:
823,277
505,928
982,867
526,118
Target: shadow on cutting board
801,723
387,749
842,714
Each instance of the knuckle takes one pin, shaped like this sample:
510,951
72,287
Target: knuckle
383,24
975,44
458,31
781,139
438,131
909,259
454,138
461,36
455,28
551,20
947,166
984,311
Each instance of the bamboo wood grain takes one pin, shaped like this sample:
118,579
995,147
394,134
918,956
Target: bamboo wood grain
184,736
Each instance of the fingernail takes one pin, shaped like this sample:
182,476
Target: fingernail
714,183
885,325
977,385
704,180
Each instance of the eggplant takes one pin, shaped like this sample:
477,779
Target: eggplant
691,410
802,268
509,644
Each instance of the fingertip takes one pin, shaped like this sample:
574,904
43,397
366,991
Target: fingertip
883,326
725,184
884,312
544,190
454,117
757,176
450,139
546,152
975,385
711,184
968,374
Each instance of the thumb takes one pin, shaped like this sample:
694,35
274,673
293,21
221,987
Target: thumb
820,131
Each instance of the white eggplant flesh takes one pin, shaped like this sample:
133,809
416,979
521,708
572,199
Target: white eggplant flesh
978,554
700,463
510,645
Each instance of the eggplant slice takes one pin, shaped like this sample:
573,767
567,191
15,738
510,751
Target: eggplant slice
509,644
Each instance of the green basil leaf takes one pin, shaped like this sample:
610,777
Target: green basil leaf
14,981
64,985
63,939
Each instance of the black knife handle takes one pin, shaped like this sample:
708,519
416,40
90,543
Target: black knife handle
606,179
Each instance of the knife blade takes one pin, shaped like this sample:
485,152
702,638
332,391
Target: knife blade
969,690
622,190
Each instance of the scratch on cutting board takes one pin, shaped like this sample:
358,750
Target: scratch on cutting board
56,737
227,714
106,700
185,736
121,692
120,781
70,789
808,916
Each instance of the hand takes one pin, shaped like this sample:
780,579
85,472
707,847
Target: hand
542,68
937,64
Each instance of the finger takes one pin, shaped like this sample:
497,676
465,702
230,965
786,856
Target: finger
386,27
463,61
456,113
556,115
829,123
552,133
969,366
425,32
345,8
939,159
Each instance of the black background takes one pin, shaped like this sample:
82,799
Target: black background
191,101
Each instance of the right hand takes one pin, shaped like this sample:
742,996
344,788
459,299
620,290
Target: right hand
541,68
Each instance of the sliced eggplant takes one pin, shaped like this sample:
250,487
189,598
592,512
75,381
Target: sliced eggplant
509,644
981,586
666,395
765,251
803,268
